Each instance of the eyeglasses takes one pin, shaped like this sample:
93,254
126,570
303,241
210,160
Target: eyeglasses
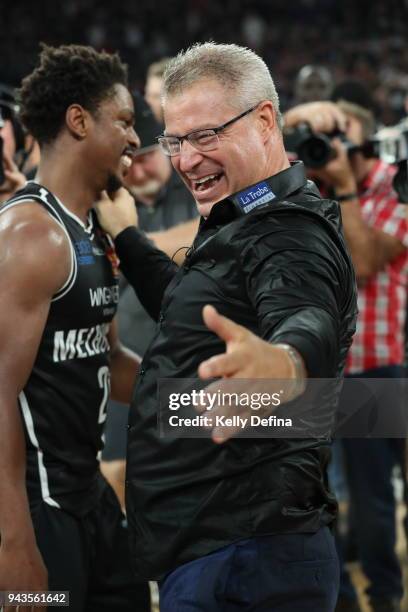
202,140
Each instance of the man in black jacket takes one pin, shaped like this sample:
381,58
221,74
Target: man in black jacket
228,523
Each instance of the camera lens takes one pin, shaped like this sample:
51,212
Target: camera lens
315,151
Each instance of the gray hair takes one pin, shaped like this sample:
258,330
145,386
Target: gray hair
238,69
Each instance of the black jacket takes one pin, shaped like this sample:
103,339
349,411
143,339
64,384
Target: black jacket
174,205
283,272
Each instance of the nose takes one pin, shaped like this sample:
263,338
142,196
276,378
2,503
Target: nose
133,138
189,157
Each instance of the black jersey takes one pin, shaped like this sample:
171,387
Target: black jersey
63,403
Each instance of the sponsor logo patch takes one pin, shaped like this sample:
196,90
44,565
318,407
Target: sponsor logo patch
254,196
83,249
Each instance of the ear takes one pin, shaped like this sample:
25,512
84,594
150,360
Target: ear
77,120
267,118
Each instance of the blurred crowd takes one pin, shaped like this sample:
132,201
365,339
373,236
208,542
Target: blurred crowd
363,40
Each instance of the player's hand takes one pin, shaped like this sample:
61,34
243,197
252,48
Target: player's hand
247,358
22,569
116,212
14,179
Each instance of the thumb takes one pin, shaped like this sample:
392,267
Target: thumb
225,329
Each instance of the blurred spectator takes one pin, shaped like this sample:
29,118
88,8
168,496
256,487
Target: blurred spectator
12,132
355,92
313,83
367,41
363,66
12,144
254,29
153,87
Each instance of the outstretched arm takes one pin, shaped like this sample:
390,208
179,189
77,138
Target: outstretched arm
300,294
246,359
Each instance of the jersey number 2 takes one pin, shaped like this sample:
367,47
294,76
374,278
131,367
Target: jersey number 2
104,383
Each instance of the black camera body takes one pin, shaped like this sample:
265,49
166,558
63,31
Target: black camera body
314,148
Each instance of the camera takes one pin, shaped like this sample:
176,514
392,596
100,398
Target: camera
314,148
389,144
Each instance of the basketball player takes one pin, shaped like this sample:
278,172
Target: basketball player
59,346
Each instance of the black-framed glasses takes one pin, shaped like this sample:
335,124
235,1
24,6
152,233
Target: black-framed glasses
202,140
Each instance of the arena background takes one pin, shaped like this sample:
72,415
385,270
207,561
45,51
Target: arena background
361,39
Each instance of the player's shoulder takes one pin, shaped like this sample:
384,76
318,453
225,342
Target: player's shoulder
30,222
33,242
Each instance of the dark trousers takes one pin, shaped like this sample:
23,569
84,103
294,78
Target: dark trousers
279,573
369,463
89,557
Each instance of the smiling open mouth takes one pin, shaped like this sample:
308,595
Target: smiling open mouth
206,182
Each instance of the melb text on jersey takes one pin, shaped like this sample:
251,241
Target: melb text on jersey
81,343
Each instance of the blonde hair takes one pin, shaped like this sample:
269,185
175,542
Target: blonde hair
241,71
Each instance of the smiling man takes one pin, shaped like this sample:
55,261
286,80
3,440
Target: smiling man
221,171
59,343
226,523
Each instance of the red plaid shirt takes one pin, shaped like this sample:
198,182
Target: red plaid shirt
379,338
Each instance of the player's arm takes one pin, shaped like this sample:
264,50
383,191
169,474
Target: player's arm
34,264
124,367
173,240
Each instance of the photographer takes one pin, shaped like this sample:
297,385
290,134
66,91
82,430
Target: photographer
19,152
376,230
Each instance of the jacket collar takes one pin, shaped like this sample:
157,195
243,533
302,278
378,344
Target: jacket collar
276,187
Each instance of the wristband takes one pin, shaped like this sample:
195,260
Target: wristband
299,369
346,196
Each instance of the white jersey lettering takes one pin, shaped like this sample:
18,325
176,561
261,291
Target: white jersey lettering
81,343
